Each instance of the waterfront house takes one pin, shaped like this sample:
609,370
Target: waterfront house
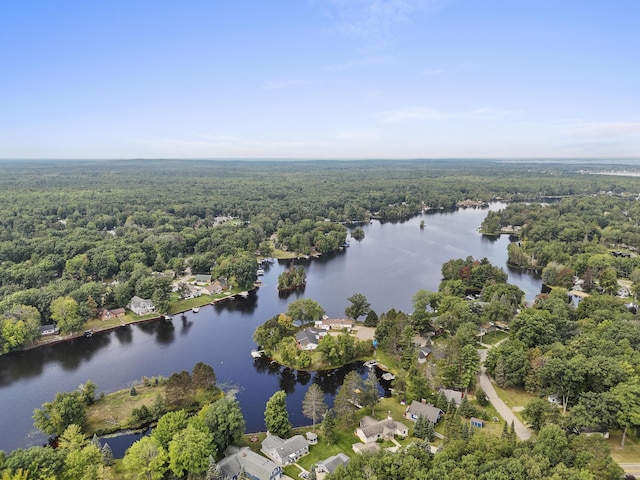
330,464
416,409
371,429
334,324
239,460
105,314
309,338
284,452
141,306
214,289
49,329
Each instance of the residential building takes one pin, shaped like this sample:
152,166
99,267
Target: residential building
309,338
416,409
330,464
49,329
284,452
371,429
244,460
141,306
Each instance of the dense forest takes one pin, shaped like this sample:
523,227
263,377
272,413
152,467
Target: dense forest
79,236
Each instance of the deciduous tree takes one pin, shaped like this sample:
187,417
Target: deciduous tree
313,406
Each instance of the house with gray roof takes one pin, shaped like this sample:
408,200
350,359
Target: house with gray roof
423,354
416,409
362,448
309,338
284,452
454,395
371,429
141,306
330,464
244,460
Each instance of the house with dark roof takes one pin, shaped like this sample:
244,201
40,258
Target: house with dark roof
416,409
256,466
309,338
284,452
330,464
371,429
423,354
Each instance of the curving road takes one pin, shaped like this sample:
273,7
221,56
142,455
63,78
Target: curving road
505,412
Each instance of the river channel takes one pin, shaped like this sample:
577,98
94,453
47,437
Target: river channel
394,261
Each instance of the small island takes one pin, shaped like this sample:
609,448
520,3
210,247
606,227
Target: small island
292,278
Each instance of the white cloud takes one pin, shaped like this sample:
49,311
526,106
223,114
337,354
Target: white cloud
605,129
427,113
432,73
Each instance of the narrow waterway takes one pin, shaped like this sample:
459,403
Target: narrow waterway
394,261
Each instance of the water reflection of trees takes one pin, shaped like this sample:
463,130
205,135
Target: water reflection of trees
81,350
124,334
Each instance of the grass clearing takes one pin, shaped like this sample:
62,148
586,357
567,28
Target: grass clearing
630,453
113,412
514,397
494,337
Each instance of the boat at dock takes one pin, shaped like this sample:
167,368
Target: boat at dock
388,376
195,309
257,353
244,294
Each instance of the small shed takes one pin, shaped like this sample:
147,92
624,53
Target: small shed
476,422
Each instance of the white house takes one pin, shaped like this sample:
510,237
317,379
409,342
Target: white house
141,306
284,452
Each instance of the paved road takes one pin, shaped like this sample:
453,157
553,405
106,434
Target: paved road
631,468
506,413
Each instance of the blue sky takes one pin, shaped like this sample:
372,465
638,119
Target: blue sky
320,79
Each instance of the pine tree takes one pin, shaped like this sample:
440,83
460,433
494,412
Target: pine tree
133,391
212,470
441,401
107,455
505,430
451,406
420,429
370,395
329,427
431,432
466,409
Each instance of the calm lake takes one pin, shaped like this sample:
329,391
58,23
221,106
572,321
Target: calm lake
389,266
